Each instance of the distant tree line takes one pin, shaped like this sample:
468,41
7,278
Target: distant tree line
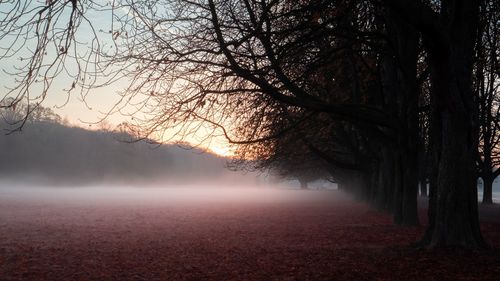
51,151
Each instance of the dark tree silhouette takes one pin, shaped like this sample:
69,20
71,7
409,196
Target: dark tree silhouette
448,33
486,86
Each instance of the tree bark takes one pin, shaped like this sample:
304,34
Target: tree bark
385,184
401,88
487,190
423,188
455,221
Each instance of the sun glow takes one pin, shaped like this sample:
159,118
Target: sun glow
221,151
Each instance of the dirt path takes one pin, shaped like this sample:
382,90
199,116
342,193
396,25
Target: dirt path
270,235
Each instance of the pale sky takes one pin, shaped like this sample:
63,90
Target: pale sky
98,101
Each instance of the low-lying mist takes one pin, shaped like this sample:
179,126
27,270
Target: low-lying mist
196,193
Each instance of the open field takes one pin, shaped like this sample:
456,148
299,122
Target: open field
217,234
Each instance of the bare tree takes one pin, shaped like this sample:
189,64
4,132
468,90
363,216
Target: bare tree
486,80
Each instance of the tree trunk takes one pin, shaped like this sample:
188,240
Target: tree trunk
431,211
423,188
487,173
401,89
385,186
487,190
398,193
410,194
456,221
303,183
453,214
406,211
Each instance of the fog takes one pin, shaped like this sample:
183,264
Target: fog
153,195
52,162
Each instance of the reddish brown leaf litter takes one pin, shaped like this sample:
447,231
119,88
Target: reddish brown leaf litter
324,236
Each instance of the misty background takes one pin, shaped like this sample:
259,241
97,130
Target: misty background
50,151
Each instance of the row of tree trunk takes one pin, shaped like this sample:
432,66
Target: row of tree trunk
391,183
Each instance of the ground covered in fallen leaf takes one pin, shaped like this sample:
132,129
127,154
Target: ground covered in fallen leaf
219,234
